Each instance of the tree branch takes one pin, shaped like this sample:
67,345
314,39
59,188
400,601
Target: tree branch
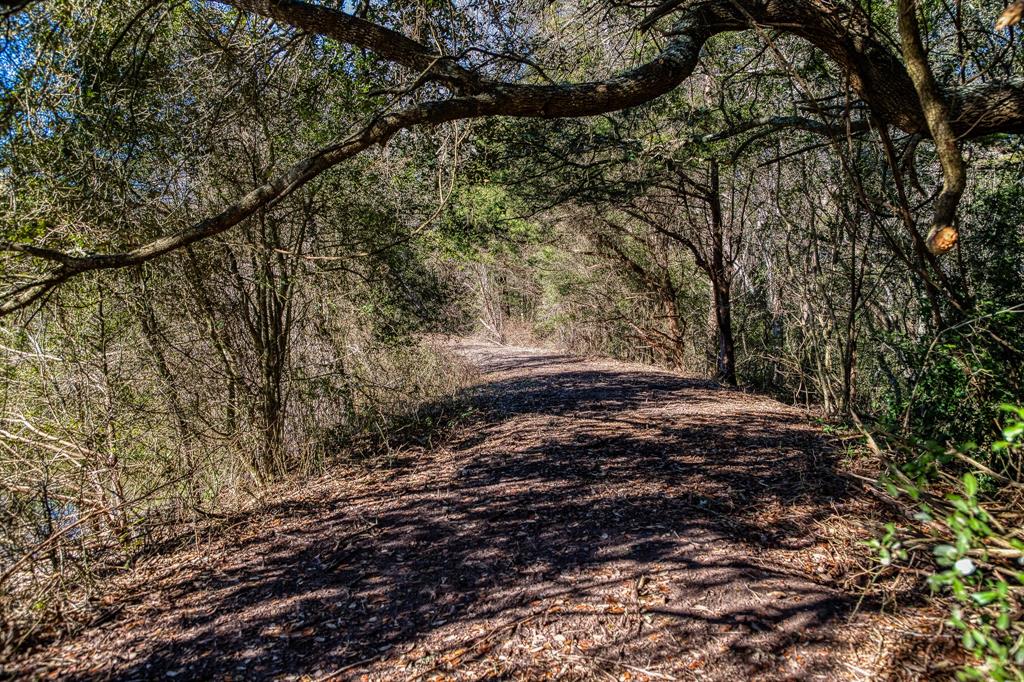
943,234
352,30
840,30
628,89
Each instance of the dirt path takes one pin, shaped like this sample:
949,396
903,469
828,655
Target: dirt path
595,520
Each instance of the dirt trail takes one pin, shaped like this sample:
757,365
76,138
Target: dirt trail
594,520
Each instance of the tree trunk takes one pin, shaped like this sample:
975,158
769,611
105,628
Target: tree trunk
721,282
726,363
670,310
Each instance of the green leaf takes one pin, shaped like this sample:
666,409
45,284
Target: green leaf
968,639
970,484
985,598
1015,409
944,552
1003,621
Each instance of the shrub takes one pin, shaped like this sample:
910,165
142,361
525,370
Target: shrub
974,538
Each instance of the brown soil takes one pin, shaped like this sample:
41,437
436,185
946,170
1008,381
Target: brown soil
592,520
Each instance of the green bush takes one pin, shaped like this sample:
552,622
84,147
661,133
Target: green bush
964,375
975,540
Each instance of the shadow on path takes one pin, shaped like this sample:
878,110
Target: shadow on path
596,517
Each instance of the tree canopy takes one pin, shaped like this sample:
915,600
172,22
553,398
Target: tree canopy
71,67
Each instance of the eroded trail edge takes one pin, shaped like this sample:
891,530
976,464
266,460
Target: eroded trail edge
593,520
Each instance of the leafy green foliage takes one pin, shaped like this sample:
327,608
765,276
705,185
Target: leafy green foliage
978,553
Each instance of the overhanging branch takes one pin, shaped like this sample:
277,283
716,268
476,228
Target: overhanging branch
840,30
628,89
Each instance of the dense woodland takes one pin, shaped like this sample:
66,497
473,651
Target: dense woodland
232,233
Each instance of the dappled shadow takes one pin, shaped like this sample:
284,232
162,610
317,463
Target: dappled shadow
624,517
